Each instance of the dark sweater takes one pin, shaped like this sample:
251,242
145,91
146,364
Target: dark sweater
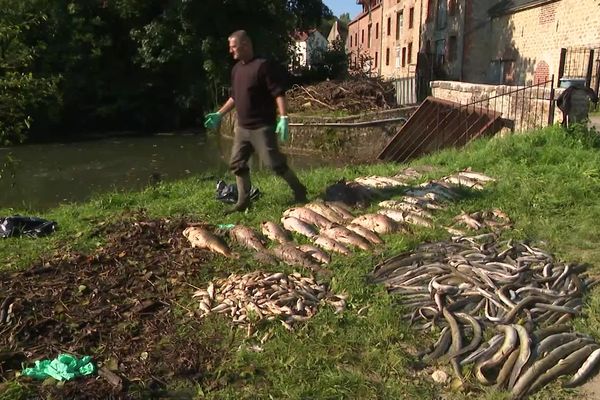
254,87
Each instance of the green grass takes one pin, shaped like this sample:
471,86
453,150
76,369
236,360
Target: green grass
548,182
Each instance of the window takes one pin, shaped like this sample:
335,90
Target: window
389,26
398,57
411,17
369,36
350,40
451,7
362,37
440,51
403,57
399,22
356,39
442,14
377,30
430,10
376,57
452,48
387,56
409,51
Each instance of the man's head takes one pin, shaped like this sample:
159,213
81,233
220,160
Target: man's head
240,46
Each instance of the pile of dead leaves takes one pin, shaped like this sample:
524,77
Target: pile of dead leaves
354,95
118,304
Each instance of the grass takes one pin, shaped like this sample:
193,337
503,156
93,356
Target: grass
547,181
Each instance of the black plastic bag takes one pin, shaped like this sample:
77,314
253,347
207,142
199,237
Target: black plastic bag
228,192
25,226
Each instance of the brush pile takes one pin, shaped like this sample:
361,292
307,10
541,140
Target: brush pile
519,292
354,96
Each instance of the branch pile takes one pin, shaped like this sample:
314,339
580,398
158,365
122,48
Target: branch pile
355,95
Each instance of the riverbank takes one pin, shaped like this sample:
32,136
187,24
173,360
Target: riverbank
547,182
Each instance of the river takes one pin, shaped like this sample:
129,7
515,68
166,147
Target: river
46,175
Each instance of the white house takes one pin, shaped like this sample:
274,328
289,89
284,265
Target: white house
308,46
334,33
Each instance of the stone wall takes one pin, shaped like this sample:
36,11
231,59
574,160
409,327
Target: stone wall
362,143
524,110
521,111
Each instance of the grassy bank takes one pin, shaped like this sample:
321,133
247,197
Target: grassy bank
547,182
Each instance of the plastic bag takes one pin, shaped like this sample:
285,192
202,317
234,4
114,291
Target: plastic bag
228,192
25,226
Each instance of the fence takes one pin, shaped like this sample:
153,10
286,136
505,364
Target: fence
439,123
580,63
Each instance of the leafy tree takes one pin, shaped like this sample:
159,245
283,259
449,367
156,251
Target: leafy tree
85,65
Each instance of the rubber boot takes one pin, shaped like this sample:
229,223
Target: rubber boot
297,187
243,188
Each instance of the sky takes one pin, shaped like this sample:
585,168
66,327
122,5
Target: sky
342,6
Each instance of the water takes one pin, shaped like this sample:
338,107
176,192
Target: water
46,175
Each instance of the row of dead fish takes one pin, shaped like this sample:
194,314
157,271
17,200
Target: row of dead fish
333,228
259,295
520,292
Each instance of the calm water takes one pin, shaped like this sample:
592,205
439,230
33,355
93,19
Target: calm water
46,175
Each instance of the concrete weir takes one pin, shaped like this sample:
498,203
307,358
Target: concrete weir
358,137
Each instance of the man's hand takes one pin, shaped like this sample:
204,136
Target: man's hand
212,120
283,129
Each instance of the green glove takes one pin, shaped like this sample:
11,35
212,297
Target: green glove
283,128
63,368
212,120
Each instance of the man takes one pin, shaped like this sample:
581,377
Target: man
255,91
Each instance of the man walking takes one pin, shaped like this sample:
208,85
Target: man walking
256,89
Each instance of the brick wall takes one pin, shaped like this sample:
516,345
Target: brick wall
527,41
358,43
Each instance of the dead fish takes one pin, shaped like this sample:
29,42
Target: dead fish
509,344
289,254
340,209
468,221
377,223
315,253
583,372
422,202
204,239
463,181
364,232
476,176
247,237
524,382
275,232
331,245
379,182
325,211
294,224
344,235
307,215
403,206
564,366
396,215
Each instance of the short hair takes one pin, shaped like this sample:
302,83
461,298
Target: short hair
241,36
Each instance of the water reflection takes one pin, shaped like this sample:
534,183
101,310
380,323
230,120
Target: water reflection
45,175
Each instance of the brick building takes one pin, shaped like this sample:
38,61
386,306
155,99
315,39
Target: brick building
528,36
364,38
480,41
400,37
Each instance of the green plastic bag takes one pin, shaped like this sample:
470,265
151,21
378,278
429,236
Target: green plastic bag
63,368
